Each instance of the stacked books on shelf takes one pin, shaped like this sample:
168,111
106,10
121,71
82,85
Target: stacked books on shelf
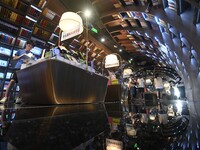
38,42
53,38
28,22
8,75
5,51
51,15
3,63
34,11
5,38
143,23
41,33
10,3
22,7
8,28
133,23
46,24
25,32
10,15
39,3
148,17
20,43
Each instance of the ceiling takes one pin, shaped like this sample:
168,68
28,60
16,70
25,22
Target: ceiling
115,30
144,30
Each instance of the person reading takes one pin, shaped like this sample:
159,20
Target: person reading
21,56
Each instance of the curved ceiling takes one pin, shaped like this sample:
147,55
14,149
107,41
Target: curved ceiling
150,32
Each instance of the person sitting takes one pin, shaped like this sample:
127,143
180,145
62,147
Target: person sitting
20,60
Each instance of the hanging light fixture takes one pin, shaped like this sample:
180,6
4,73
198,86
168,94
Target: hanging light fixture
111,61
127,72
71,24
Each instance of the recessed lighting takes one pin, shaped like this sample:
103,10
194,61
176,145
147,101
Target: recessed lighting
87,13
120,50
102,39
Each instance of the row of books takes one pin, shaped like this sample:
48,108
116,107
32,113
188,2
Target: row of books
141,2
51,15
25,33
20,43
5,38
5,51
140,23
12,16
136,2
39,32
16,18
53,38
7,75
137,19
46,24
11,3
80,45
27,22
22,7
39,3
3,63
38,42
34,12
8,28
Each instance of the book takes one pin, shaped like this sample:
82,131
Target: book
28,56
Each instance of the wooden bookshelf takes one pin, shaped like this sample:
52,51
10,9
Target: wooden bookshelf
22,20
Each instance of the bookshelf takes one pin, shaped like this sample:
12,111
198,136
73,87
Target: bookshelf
95,52
184,6
22,20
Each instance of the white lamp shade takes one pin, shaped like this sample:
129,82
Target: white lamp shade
152,116
111,61
127,72
70,20
71,24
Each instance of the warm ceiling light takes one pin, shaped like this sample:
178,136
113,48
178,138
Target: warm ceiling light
102,39
87,13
